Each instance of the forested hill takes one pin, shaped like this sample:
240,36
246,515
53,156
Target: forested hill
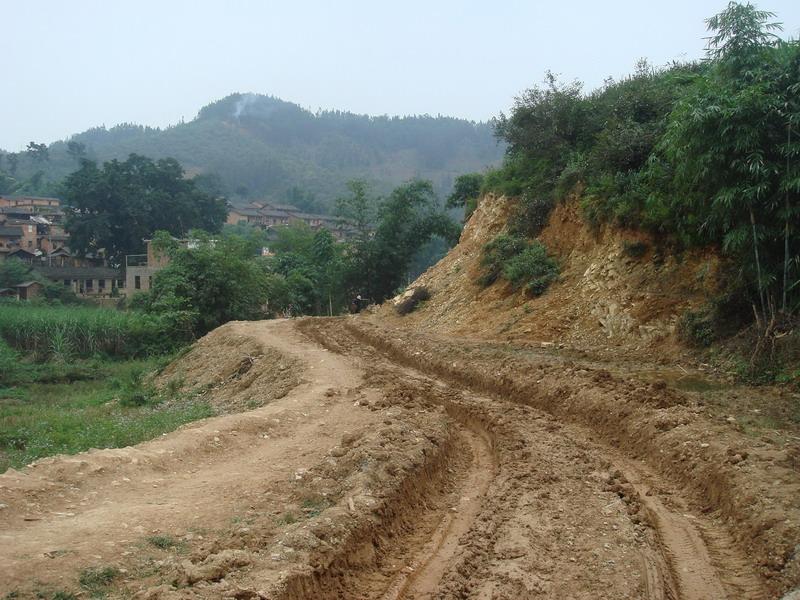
262,146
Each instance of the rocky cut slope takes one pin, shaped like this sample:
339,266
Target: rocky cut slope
617,293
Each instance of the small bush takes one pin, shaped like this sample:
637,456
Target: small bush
634,249
96,580
163,542
531,214
469,207
525,264
696,328
572,174
495,255
133,391
532,269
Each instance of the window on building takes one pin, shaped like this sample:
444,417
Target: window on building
137,282
67,282
101,284
30,244
150,282
120,283
89,284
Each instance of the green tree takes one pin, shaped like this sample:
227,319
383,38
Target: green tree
13,161
466,190
407,219
309,265
116,206
38,152
208,283
13,272
327,258
76,150
358,208
732,145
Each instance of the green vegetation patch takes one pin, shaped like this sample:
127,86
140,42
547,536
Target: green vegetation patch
522,262
111,409
96,580
64,333
165,542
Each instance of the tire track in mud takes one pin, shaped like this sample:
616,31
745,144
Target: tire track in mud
427,568
676,564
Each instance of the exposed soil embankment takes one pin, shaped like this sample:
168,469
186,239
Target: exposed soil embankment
618,293
741,487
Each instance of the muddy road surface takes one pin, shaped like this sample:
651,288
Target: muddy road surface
399,466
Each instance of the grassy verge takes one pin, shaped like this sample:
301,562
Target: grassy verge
54,409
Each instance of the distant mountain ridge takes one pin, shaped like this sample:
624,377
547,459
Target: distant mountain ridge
265,147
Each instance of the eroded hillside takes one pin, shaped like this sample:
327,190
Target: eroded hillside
618,292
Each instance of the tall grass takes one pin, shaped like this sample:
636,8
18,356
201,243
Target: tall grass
63,333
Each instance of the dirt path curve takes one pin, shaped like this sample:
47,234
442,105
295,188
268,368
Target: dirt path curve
98,508
675,561
372,479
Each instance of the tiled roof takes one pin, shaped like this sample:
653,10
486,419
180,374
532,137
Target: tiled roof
10,231
79,272
247,212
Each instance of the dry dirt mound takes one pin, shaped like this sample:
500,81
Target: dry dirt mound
616,292
233,370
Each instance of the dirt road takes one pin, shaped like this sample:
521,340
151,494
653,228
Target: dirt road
394,469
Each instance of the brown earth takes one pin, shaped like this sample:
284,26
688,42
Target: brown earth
404,466
485,446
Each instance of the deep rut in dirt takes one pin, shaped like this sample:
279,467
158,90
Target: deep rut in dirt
680,556
422,575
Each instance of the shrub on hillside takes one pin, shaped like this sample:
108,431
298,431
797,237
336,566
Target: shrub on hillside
524,263
696,328
495,255
532,269
636,249
531,214
700,153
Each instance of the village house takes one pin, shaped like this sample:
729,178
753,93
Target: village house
267,215
36,201
86,281
10,238
140,268
22,291
31,223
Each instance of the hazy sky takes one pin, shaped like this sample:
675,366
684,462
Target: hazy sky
68,66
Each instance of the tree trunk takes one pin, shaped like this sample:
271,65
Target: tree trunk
786,221
758,264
